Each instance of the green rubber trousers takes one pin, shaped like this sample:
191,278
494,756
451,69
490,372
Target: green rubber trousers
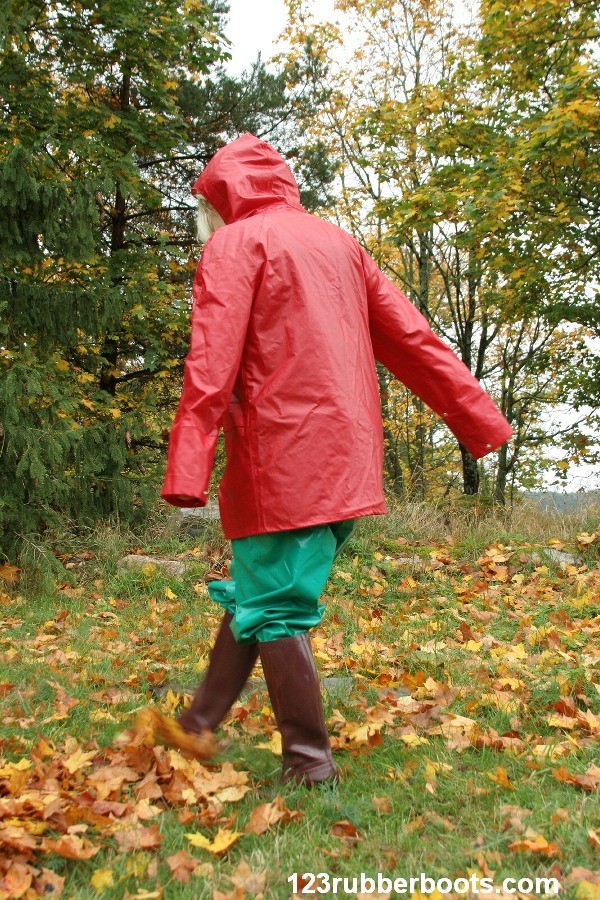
277,580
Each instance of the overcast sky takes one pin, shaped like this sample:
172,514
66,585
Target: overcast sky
254,26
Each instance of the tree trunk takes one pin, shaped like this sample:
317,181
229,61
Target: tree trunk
419,487
110,350
470,472
393,469
501,476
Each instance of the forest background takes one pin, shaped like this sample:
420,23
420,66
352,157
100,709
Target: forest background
464,158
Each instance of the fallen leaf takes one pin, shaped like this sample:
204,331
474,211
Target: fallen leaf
345,830
9,574
500,776
233,793
534,843
381,804
102,879
224,839
48,883
415,824
587,890
274,744
579,873
79,760
266,815
589,780
251,882
71,846
17,879
182,865
144,838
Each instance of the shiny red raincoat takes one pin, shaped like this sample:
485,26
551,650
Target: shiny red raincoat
289,314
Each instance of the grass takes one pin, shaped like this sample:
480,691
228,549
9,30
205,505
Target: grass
444,628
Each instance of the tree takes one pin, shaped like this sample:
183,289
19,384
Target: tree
91,246
437,140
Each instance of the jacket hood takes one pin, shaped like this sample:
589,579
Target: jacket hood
245,176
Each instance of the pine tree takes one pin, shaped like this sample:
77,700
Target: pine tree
93,262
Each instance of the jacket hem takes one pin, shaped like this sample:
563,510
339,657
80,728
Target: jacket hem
233,534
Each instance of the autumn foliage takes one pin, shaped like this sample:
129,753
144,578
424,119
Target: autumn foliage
461,701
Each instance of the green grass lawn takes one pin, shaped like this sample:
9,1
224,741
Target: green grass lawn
461,694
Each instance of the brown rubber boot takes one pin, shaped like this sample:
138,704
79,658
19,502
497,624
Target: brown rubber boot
229,668
293,685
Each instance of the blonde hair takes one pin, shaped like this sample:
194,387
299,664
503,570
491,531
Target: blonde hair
207,220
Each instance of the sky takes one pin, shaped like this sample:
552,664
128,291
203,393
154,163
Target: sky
254,26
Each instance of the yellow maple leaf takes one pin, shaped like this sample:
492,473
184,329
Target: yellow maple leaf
224,839
78,760
102,879
501,776
232,793
475,646
274,745
413,740
557,721
587,890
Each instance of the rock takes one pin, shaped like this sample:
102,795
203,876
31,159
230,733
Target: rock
560,557
172,566
195,520
411,561
556,556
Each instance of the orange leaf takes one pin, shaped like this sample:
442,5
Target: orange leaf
138,838
500,776
162,730
594,838
18,879
49,882
566,706
18,839
534,843
345,830
245,878
589,780
266,815
182,865
9,574
71,846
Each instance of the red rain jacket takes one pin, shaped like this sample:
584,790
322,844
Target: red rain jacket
289,313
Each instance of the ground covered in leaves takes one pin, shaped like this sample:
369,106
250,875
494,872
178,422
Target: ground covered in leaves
462,699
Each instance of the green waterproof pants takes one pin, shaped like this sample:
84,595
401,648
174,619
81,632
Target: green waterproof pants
277,580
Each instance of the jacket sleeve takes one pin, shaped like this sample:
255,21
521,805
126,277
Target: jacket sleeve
405,344
224,289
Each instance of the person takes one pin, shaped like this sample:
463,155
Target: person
289,315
